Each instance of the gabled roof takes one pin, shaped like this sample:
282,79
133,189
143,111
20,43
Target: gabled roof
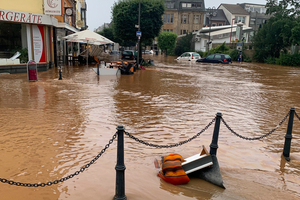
235,9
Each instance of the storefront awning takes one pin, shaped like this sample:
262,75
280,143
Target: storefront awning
67,26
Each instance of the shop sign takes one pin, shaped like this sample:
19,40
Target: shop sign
29,18
52,7
38,43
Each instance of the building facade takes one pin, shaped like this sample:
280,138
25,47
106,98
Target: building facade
26,29
35,29
183,16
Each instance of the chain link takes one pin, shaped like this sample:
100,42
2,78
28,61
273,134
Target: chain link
254,138
297,116
171,145
3,180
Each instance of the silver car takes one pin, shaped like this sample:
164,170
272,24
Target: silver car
189,56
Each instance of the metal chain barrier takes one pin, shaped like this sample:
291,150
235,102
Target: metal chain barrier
171,145
254,138
297,116
3,180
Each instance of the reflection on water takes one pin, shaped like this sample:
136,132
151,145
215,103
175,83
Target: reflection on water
51,128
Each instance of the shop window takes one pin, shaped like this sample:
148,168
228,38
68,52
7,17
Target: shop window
10,39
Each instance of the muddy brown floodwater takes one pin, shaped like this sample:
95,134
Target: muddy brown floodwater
51,128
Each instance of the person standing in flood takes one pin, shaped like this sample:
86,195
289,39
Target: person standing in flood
240,56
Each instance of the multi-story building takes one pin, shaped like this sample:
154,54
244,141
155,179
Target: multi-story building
257,13
183,16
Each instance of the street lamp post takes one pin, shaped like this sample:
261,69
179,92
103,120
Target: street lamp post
210,12
139,29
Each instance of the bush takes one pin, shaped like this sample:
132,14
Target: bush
288,60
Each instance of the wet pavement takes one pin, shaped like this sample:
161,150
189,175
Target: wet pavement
51,128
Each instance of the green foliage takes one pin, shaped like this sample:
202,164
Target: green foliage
183,44
273,37
234,55
109,33
295,38
288,60
167,41
283,8
223,48
24,54
125,16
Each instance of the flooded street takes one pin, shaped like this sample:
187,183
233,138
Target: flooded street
51,128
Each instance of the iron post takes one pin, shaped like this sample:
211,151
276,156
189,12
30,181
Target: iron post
214,142
288,136
98,73
120,166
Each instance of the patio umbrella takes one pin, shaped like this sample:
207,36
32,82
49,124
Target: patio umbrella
88,37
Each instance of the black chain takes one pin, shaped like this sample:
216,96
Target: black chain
171,145
254,138
3,180
297,116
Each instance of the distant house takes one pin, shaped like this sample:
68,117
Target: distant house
257,13
231,15
183,16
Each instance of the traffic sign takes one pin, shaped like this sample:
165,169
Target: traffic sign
138,33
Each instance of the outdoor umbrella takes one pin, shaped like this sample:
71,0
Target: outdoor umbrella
88,37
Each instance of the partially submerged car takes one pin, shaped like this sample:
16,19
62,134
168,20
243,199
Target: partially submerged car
129,55
189,56
216,58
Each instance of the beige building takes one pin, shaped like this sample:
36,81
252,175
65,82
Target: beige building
183,16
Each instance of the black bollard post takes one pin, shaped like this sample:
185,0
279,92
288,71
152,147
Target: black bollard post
98,69
288,136
120,167
60,78
214,142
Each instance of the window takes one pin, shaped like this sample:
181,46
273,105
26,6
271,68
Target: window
184,19
168,18
220,24
196,19
191,5
170,4
213,24
183,32
240,19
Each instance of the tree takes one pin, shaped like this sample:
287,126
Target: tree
283,8
108,33
183,44
273,37
125,16
167,41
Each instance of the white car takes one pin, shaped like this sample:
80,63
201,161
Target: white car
189,56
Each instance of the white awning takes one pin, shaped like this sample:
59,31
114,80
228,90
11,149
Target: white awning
67,26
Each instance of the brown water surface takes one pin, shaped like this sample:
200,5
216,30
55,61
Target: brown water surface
51,128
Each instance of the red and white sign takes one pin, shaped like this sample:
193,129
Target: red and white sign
38,43
52,7
29,18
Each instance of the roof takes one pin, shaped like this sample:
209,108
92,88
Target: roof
235,9
227,30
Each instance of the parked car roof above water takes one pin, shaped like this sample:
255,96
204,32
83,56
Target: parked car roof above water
189,56
216,58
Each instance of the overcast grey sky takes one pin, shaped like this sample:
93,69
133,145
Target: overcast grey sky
99,11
